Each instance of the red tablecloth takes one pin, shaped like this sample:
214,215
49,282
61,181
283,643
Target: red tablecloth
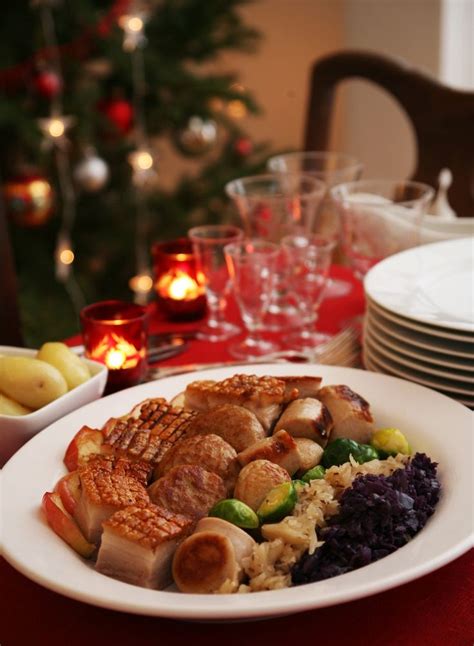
436,610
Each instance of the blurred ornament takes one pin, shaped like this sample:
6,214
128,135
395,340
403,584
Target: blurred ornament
243,146
91,174
28,200
48,84
119,112
197,137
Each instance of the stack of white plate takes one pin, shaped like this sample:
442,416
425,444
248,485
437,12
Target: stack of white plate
419,323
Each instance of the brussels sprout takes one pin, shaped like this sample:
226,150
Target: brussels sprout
235,512
390,441
316,473
278,503
338,452
299,485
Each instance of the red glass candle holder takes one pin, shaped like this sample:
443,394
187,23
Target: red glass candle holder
179,287
115,333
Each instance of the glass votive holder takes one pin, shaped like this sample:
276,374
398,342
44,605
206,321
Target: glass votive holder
179,288
115,333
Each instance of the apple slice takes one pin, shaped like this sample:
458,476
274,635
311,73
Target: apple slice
64,525
86,442
69,490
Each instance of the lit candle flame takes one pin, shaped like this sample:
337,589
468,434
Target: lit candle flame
178,286
117,353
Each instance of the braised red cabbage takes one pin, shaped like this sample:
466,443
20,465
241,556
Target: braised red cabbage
378,514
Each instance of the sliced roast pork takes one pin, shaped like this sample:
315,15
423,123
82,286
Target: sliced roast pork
138,544
103,493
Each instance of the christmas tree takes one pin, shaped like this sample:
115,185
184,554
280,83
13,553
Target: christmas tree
88,89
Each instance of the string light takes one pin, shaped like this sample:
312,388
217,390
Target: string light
140,160
55,127
133,26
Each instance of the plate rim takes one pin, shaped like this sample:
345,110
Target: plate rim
438,358
417,326
414,379
390,354
260,604
387,327
422,251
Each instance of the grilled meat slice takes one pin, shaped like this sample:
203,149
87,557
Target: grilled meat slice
208,451
281,449
235,424
102,493
264,396
307,417
138,544
153,427
137,469
350,413
211,556
256,479
305,386
188,489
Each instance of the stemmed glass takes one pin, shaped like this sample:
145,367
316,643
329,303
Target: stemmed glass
331,168
208,245
252,265
380,218
271,206
308,259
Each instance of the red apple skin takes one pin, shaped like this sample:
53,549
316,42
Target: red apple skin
64,525
69,490
85,443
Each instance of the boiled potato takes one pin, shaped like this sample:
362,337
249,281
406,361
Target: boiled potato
30,382
11,407
68,363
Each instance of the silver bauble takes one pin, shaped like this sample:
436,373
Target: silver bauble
197,137
91,174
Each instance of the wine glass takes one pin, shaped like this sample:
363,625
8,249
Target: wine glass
208,245
331,168
271,206
380,218
252,267
308,259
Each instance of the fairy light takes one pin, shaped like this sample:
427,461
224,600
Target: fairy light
140,160
133,26
66,256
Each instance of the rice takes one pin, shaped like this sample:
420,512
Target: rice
269,565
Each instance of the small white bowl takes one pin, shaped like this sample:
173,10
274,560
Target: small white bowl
16,430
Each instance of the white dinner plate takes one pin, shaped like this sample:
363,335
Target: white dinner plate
432,284
430,330
458,349
31,546
405,348
370,363
425,366
446,386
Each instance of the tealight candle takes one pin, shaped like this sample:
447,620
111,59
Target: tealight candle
115,333
178,285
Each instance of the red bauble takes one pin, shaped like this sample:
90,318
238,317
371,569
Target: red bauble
48,84
28,200
243,146
119,112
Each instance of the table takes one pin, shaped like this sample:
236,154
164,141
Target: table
436,610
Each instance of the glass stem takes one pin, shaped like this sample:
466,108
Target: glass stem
216,306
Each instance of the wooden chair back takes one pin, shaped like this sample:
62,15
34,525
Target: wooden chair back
442,117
